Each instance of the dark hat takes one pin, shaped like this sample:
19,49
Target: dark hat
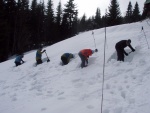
129,40
96,50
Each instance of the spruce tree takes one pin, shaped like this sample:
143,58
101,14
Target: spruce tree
98,18
136,13
58,21
83,24
59,14
34,23
114,15
129,12
21,34
50,37
4,33
40,22
71,14
51,34
65,27
10,17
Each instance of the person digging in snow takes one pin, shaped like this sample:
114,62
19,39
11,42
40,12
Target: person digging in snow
65,58
18,60
84,55
120,49
39,55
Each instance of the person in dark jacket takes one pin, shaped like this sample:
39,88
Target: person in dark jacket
18,60
65,58
39,55
120,49
84,55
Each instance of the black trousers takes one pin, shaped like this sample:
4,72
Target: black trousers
120,54
64,60
39,61
17,63
83,60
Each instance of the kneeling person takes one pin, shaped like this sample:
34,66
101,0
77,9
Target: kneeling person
66,58
18,60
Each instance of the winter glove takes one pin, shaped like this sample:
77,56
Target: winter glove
126,54
44,50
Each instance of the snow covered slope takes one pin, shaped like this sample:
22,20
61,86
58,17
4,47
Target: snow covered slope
52,88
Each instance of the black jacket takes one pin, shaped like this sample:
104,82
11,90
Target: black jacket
123,44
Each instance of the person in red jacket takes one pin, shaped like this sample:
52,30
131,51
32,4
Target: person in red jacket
84,55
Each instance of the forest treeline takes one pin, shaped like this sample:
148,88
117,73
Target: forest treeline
24,26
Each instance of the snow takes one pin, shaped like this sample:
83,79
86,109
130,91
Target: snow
52,88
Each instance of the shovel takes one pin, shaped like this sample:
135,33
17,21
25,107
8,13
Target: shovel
130,52
47,57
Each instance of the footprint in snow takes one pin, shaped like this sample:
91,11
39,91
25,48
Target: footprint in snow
106,111
76,80
123,94
118,110
61,98
43,109
90,107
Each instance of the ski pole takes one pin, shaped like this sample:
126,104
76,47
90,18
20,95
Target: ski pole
145,37
94,39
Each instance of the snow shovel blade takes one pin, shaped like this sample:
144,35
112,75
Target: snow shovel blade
130,52
48,60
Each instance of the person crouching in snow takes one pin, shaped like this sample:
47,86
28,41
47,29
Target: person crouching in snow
84,55
120,49
65,58
18,60
39,55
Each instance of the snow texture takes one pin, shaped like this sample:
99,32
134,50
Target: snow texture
52,88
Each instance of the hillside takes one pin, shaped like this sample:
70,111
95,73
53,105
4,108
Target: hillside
52,88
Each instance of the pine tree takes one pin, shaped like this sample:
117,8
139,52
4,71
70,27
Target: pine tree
129,12
34,23
41,18
70,13
59,14
21,34
10,17
65,27
98,18
90,23
4,34
82,24
136,13
58,21
114,15
50,30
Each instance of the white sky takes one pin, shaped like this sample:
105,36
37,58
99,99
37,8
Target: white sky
89,6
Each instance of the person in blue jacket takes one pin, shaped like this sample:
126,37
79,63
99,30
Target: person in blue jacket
65,58
39,55
18,60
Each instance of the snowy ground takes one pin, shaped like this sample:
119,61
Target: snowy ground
52,88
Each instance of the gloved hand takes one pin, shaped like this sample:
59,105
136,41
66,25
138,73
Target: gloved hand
126,54
22,61
133,50
44,50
